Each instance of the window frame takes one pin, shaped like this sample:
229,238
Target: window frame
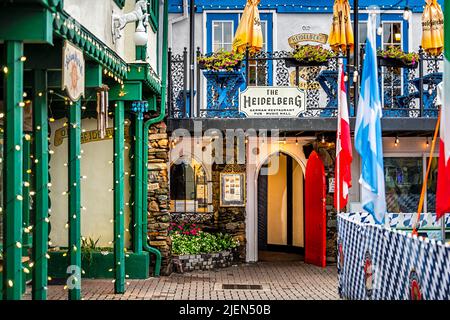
425,156
120,3
212,31
153,10
390,17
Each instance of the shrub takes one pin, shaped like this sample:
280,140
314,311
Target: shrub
221,60
394,52
312,53
203,242
184,228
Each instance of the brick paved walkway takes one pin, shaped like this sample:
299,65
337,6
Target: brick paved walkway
279,280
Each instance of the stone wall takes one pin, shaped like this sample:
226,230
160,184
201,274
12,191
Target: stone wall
230,220
158,194
205,261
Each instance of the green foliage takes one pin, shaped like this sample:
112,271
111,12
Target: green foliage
221,60
394,52
204,242
185,228
89,246
311,53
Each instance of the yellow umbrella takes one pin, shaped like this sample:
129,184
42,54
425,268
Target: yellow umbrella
432,28
341,34
249,30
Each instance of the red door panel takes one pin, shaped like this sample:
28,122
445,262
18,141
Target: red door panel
315,213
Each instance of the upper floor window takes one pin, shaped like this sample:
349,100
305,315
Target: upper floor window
258,69
392,34
392,77
223,33
362,32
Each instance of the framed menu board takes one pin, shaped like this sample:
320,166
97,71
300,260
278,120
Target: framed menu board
232,190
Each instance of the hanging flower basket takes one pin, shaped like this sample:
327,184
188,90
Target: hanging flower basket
309,56
393,56
292,63
221,61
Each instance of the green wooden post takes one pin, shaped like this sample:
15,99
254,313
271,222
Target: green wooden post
12,218
40,232
26,177
137,235
74,280
119,207
138,149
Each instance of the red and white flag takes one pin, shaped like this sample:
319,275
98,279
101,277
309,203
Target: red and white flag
443,177
343,170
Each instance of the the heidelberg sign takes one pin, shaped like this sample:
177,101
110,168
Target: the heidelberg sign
272,102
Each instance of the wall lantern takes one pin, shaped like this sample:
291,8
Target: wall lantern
140,36
407,14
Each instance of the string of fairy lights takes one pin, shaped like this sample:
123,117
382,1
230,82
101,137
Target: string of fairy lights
27,183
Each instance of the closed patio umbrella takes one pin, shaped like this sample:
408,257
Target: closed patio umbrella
432,28
249,31
341,34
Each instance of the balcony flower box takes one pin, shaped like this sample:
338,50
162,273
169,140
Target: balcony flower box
395,63
293,63
309,56
393,56
221,61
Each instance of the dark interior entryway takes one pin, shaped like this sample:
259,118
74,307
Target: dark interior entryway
280,209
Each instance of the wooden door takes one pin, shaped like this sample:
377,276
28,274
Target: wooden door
315,213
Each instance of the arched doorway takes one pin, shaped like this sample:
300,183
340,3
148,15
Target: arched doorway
281,209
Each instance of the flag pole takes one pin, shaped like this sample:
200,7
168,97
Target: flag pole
425,182
338,144
443,228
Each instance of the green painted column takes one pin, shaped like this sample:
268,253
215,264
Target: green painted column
137,207
74,174
40,231
13,184
119,207
26,177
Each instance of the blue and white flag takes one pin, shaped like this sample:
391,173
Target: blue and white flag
368,141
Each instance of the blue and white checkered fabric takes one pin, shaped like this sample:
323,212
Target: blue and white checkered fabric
394,256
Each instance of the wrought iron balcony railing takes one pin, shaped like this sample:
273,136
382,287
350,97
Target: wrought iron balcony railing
405,92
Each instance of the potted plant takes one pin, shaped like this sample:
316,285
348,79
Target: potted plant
195,249
393,56
309,56
221,60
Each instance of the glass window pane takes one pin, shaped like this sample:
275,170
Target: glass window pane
217,32
387,33
227,32
431,186
362,32
404,178
397,32
264,32
227,47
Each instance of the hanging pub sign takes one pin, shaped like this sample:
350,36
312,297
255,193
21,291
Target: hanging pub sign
88,136
272,102
73,71
296,39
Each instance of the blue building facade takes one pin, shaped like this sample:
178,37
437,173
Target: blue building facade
274,213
